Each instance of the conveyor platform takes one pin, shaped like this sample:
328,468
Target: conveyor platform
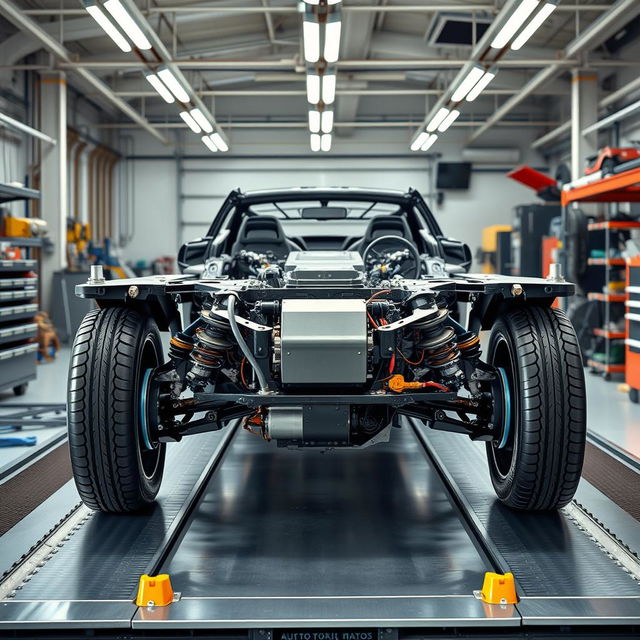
392,540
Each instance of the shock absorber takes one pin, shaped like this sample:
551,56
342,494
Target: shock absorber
210,351
439,343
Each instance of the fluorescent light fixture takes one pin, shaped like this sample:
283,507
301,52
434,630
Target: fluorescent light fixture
219,141
428,143
325,142
98,15
207,140
202,120
190,122
515,21
311,36
317,2
314,140
437,119
314,121
332,40
481,85
127,24
419,141
327,121
158,85
174,85
533,25
313,88
467,84
448,121
329,88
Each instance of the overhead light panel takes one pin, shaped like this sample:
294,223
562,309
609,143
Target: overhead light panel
328,88
159,86
533,25
332,33
467,84
174,85
311,36
515,21
481,85
419,141
219,141
325,142
317,2
202,120
127,24
98,15
428,143
313,88
437,119
314,121
327,121
314,140
207,140
190,122
448,121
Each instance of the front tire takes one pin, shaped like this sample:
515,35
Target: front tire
537,463
113,469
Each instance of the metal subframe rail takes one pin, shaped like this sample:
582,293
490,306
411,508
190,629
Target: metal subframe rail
391,540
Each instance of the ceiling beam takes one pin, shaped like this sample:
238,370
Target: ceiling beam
394,8
607,101
347,65
593,35
304,124
33,29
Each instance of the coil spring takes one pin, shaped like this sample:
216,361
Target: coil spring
469,345
437,341
212,342
180,346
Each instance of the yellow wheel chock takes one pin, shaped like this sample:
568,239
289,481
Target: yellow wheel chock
155,591
498,588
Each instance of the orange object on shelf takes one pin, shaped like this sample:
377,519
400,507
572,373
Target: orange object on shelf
613,224
620,187
614,262
610,335
606,297
606,368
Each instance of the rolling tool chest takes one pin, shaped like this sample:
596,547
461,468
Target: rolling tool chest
632,317
18,329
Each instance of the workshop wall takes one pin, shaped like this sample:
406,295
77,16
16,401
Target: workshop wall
163,221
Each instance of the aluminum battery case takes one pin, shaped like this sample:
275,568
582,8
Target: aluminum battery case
324,341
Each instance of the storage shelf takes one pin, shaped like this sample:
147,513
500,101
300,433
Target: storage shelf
620,187
609,335
613,224
615,262
606,368
607,297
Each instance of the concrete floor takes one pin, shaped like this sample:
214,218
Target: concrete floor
610,413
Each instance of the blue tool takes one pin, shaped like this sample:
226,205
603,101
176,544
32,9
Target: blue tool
26,441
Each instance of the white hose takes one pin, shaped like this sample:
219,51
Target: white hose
231,307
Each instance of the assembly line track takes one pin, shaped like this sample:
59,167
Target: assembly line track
232,500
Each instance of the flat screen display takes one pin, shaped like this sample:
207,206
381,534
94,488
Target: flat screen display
453,175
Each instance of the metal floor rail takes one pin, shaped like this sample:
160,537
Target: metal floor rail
396,537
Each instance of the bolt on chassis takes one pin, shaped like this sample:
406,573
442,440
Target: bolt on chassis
318,353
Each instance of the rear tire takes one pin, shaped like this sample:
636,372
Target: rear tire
113,469
540,462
